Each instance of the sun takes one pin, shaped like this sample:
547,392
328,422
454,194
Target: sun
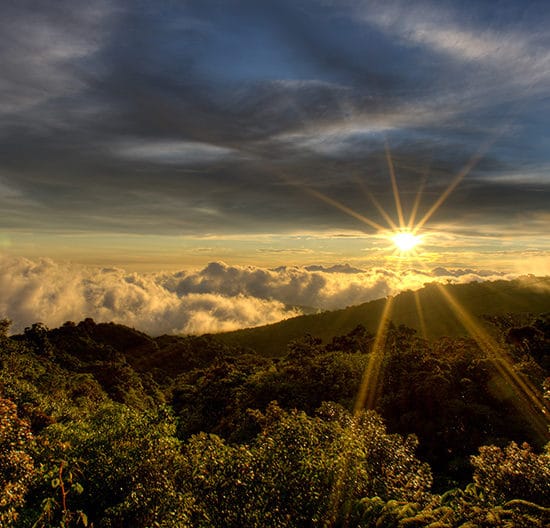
405,241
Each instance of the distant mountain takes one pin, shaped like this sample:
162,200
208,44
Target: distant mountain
528,295
87,342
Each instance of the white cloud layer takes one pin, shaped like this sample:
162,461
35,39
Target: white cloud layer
216,298
54,293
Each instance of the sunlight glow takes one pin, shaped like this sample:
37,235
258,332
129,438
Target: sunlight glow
405,241
370,383
405,238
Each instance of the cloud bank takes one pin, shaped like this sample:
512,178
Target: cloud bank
213,299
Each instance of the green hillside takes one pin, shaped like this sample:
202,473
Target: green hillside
102,425
524,295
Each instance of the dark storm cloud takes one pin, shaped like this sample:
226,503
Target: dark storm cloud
200,117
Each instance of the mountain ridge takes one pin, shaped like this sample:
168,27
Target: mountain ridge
168,355
528,294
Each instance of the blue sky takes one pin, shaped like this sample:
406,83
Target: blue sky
156,135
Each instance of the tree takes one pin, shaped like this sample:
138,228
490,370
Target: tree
4,327
16,464
515,472
128,463
301,470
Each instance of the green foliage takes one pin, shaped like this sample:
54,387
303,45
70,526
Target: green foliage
464,508
105,451
16,464
215,399
212,399
451,395
515,472
43,390
55,509
4,328
358,340
304,347
301,470
128,463
448,393
36,337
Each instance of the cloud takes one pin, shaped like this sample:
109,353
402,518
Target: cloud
522,49
437,27
336,268
52,293
213,299
41,46
171,152
325,288
155,121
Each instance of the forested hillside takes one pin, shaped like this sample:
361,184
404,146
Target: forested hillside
104,426
426,310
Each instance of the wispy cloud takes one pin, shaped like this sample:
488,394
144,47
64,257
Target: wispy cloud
520,54
172,152
196,120
40,49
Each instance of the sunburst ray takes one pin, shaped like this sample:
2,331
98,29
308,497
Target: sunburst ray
418,198
472,162
369,387
383,212
526,398
395,189
344,208
420,313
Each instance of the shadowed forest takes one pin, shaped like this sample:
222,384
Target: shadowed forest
104,426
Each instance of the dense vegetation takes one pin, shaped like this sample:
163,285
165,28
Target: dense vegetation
103,425
528,294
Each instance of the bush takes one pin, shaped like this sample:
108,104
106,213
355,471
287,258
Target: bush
16,465
513,473
301,470
127,463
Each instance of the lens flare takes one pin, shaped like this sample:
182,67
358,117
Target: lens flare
405,241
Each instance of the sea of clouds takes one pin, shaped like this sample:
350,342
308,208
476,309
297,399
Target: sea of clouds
215,298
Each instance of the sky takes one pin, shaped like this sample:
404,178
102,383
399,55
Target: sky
152,151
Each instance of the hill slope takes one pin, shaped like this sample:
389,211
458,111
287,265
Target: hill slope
434,319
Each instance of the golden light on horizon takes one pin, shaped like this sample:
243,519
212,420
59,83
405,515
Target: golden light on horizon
404,235
405,241
406,238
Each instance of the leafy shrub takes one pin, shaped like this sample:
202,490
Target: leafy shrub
301,470
515,472
128,463
16,465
